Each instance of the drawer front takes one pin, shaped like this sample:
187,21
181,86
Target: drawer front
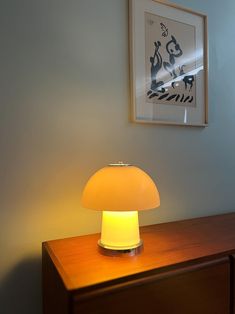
199,289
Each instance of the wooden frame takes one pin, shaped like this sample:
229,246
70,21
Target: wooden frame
168,64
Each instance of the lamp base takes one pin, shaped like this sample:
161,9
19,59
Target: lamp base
119,251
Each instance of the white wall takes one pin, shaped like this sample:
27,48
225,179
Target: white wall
64,113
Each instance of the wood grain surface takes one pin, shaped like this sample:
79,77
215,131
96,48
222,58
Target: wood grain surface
166,247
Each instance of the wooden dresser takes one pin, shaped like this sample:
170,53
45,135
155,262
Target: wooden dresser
187,267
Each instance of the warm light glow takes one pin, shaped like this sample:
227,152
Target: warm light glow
120,191
120,188
120,230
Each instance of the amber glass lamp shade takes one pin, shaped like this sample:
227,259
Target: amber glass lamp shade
120,191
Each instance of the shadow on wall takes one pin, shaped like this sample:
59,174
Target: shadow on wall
20,290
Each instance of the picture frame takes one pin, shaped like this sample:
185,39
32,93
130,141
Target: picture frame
168,64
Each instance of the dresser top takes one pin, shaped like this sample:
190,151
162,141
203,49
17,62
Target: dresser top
80,265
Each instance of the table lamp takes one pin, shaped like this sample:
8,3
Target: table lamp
120,191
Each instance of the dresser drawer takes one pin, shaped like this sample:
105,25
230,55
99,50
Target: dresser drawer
199,289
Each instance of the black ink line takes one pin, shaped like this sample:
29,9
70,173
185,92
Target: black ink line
171,97
163,96
191,99
177,98
153,95
187,98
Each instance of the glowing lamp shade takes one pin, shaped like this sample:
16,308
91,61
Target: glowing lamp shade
120,191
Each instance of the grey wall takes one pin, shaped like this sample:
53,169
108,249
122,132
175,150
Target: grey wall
64,106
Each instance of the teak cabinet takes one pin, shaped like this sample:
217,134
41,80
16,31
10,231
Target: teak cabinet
186,267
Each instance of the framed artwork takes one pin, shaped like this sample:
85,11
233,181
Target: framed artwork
169,66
